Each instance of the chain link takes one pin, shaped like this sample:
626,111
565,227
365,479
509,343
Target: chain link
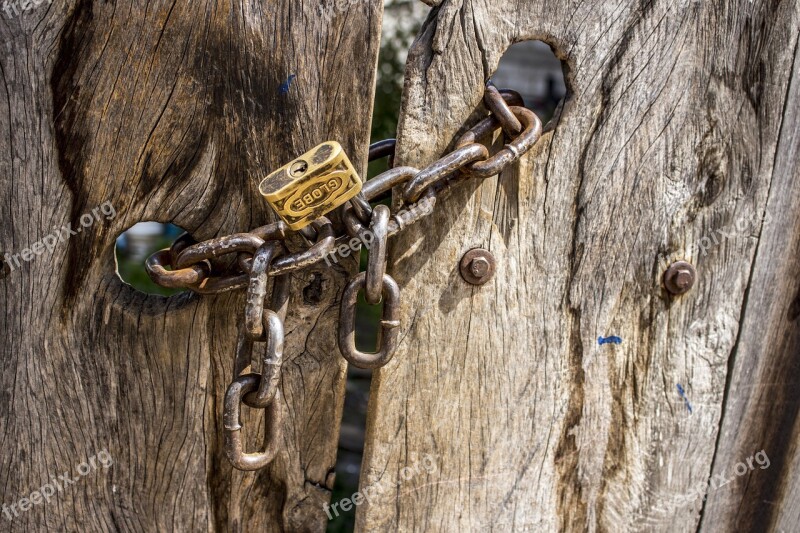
376,264
249,260
234,448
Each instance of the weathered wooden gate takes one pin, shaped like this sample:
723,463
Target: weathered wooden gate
679,140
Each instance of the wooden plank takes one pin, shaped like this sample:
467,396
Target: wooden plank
169,111
665,149
763,399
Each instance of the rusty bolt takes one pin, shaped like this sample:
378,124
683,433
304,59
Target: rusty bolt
679,277
477,266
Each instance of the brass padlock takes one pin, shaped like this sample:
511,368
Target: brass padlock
312,185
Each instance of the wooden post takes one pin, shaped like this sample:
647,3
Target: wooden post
678,140
173,112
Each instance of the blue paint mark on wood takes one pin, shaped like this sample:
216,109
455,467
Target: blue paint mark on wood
685,399
287,84
609,340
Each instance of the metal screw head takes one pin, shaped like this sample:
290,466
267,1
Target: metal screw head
477,266
679,277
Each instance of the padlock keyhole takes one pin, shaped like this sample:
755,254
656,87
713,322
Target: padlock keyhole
298,168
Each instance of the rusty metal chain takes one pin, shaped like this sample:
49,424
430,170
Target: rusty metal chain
250,260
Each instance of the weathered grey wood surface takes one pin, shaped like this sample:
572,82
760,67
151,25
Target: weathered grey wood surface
171,111
680,133
763,398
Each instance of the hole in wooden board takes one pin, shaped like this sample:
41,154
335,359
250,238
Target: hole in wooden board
533,70
133,248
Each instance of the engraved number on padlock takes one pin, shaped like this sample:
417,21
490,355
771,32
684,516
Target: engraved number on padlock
312,185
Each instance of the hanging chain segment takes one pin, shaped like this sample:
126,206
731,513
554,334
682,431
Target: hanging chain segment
301,193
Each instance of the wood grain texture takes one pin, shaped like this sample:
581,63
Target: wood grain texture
763,398
676,136
170,111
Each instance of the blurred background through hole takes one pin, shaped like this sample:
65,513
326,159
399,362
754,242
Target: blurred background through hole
135,245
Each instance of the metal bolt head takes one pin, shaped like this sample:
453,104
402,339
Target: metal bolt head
679,277
477,266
